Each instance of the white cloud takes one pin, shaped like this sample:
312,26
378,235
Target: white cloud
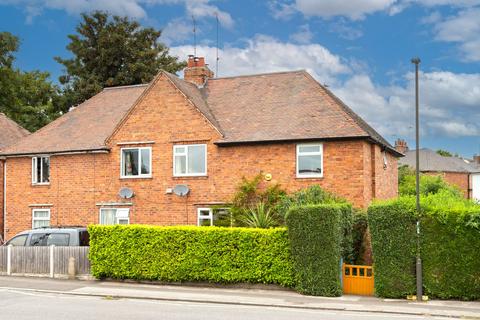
303,35
462,28
176,30
131,8
34,8
266,54
449,104
355,10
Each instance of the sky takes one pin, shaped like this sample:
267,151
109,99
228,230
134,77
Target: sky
360,49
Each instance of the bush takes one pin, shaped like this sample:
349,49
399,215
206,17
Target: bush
428,184
213,254
392,227
315,234
361,247
252,193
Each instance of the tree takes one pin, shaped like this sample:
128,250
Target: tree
111,51
28,98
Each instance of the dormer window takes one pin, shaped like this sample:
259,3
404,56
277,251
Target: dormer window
40,170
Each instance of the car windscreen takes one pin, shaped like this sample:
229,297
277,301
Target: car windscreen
18,240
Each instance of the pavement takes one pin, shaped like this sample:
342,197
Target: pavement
234,296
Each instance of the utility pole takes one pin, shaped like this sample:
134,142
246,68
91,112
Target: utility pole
416,62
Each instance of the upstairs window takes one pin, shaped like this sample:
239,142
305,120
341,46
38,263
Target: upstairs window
309,160
136,162
40,170
190,160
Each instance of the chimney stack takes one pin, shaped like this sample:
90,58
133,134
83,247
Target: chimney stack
197,71
476,159
401,146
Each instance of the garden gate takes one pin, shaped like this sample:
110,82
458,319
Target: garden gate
357,279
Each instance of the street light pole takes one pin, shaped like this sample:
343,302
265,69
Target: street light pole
416,62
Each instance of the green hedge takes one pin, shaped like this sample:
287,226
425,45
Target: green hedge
451,247
213,254
392,228
315,233
450,231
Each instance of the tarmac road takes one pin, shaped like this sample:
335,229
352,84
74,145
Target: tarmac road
20,305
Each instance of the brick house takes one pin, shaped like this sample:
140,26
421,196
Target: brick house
463,173
202,132
10,132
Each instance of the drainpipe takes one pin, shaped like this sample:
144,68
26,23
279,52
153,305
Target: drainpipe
4,231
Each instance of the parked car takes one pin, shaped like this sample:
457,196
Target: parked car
62,236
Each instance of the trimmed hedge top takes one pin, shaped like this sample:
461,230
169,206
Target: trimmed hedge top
189,253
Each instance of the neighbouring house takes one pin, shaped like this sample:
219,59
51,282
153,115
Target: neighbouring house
10,132
200,132
461,172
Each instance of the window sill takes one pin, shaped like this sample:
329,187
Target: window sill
136,177
40,184
310,177
190,177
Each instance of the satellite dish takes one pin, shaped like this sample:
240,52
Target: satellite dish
181,190
126,193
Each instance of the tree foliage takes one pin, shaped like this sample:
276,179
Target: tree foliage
111,51
29,98
429,184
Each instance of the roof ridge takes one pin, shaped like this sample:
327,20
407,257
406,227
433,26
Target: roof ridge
15,123
126,86
215,122
259,74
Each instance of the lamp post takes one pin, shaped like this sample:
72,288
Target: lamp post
416,62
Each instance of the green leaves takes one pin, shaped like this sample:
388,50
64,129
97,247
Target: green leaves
29,98
450,238
316,234
112,51
213,254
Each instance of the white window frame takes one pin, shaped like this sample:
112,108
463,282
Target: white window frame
210,216
298,154
34,170
140,175
40,219
117,219
176,146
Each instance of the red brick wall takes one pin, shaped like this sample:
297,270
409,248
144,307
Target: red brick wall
79,183
459,179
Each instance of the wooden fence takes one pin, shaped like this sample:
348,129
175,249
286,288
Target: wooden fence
43,261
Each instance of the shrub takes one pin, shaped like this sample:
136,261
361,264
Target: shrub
213,254
259,217
252,192
361,247
315,235
428,184
392,228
